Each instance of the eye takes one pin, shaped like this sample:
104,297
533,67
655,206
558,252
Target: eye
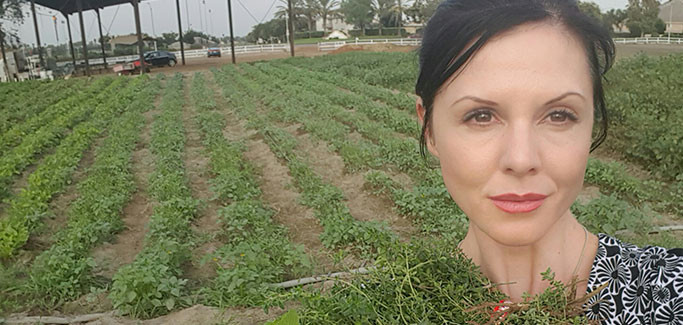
562,116
482,117
479,116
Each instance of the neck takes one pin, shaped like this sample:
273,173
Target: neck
560,249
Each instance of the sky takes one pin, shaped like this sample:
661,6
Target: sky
159,16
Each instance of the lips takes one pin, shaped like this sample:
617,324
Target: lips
515,203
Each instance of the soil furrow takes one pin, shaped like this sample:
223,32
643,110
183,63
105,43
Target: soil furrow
129,242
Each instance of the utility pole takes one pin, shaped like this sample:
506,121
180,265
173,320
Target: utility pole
35,25
232,35
671,9
187,15
201,20
151,15
136,12
180,31
290,27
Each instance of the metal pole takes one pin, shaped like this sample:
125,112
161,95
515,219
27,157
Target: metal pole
35,25
671,8
54,21
99,24
71,42
85,43
291,27
187,16
180,32
151,15
136,11
232,36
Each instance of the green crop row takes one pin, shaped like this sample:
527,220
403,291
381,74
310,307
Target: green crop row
70,113
398,100
397,120
644,102
152,284
63,272
389,70
257,251
429,204
18,132
340,229
31,205
615,180
393,149
38,99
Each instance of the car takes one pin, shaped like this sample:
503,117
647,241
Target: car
160,58
214,51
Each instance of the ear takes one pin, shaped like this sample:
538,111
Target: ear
421,112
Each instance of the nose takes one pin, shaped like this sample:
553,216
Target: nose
520,152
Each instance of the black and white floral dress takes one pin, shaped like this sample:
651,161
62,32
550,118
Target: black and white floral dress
645,284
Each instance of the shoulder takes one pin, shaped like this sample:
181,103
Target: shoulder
644,285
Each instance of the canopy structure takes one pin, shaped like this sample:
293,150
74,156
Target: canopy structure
67,7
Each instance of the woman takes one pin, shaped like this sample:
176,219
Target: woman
511,103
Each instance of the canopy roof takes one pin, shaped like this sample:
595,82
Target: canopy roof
70,6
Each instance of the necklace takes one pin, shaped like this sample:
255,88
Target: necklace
583,249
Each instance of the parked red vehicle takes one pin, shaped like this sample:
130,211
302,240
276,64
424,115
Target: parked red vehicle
130,68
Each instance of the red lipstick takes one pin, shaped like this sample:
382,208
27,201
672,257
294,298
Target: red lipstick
515,203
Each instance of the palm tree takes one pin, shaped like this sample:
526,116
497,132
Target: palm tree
310,11
283,11
384,10
325,9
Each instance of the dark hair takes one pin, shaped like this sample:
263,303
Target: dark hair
459,28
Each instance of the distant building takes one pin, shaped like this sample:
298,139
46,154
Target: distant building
672,15
332,24
130,41
176,46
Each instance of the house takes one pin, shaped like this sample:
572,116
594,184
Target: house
333,24
672,15
176,46
412,28
130,40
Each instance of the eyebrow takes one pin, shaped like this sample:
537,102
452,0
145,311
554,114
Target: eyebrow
492,103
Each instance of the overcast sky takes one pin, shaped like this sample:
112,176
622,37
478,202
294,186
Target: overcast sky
209,16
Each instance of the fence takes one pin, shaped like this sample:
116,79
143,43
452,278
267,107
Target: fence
195,53
330,46
649,40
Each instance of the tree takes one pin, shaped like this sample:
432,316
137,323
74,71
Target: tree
386,12
591,9
357,12
169,38
309,10
616,18
325,9
9,10
274,28
422,10
642,16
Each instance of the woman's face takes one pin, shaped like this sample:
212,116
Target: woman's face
512,132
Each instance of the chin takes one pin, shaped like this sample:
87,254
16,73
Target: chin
521,231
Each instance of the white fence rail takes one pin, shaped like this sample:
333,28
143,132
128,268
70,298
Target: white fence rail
331,46
649,40
200,53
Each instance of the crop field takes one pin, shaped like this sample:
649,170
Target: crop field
195,194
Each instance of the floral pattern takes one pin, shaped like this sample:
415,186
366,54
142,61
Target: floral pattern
644,284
